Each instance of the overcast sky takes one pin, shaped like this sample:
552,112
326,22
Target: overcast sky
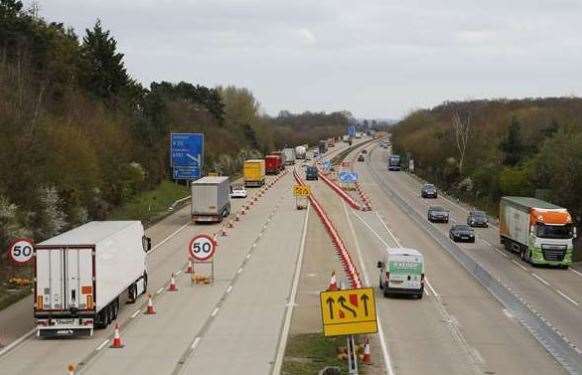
375,58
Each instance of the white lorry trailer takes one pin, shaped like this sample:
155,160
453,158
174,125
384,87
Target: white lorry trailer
210,199
289,156
81,276
301,152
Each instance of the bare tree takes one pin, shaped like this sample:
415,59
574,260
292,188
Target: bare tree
462,128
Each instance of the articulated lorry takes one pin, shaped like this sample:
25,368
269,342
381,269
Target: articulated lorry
254,172
210,199
288,156
301,151
82,276
541,232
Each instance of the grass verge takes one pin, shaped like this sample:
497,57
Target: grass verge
150,206
311,352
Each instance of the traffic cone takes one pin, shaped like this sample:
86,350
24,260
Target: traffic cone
150,309
332,282
172,287
116,344
237,217
223,232
230,224
243,212
367,356
71,369
189,269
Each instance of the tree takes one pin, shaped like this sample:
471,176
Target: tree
462,130
512,146
50,217
104,73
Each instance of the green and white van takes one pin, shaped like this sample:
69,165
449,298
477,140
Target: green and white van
402,272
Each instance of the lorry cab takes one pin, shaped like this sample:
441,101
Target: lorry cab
402,272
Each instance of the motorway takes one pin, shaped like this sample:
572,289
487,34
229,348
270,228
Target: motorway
239,324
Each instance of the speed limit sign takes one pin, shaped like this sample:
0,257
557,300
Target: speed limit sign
21,250
202,247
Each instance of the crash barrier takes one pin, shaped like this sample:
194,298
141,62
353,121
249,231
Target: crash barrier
339,245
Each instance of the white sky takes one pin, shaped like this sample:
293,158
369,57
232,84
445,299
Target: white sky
375,58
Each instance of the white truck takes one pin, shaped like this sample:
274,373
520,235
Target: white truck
289,156
82,275
402,272
210,199
541,232
301,152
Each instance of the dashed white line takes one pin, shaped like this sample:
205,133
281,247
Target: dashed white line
168,238
17,342
160,290
195,343
567,297
239,270
519,265
540,279
214,312
430,287
229,289
248,256
178,272
102,345
135,313
507,313
576,271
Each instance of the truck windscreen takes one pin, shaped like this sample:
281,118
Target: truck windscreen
554,231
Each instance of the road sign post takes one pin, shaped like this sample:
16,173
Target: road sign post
201,250
187,155
301,193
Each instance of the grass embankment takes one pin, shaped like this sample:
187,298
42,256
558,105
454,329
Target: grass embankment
152,205
309,353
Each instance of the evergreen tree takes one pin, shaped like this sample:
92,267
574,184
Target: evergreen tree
512,146
104,73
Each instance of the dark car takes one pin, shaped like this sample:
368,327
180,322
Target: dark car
311,173
428,191
462,233
438,214
361,157
477,219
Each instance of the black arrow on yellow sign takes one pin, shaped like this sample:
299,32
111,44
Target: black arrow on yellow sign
330,303
365,299
342,303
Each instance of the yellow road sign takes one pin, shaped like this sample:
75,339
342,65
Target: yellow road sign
348,312
301,190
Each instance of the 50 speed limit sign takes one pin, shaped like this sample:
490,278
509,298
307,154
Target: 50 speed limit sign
21,250
202,247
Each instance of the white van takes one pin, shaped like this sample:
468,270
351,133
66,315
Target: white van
402,272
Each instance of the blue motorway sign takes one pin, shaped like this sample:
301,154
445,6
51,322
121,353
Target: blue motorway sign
352,131
187,155
348,176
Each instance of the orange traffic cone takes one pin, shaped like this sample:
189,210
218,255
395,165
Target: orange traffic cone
237,217
230,224
367,356
150,310
71,369
172,287
332,282
116,344
189,269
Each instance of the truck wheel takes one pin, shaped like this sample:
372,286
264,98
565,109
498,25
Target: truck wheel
419,295
115,308
132,293
145,283
108,314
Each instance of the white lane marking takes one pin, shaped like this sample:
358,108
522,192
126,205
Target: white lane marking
160,290
135,313
566,297
372,230
168,238
291,303
239,270
178,272
16,342
388,230
383,344
430,287
102,345
427,292
507,313
215,311
519,265
576,271
229,289
540,279
195,343
500,252
249,255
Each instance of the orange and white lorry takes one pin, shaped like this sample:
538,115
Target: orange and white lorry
541,232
